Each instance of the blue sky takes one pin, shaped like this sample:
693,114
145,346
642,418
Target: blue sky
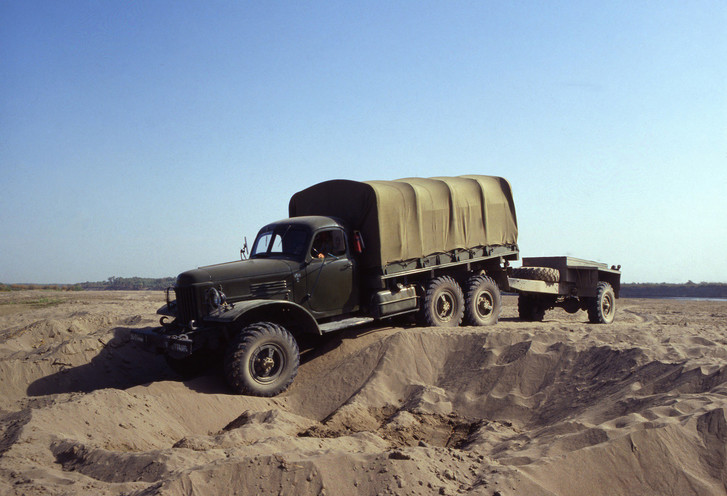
147,138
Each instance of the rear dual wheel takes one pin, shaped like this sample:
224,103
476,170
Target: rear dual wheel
445,305
442,304
483,301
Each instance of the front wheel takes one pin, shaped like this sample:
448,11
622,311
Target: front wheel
443,303
262,360
602,308
483,301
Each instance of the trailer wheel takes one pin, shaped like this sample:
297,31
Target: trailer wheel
443,303
483,301
602,308
530,309
262,360
547,274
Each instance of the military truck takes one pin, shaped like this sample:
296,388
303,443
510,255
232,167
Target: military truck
438,249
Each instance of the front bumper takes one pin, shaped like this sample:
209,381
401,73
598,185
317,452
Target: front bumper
176,345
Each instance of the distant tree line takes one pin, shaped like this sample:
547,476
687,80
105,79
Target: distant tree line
112,283
130,283
57,287
631,290
664,290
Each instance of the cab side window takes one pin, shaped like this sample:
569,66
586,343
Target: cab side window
331,243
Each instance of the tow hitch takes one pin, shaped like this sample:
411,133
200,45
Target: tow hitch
178,345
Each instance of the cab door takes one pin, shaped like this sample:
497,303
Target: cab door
331,275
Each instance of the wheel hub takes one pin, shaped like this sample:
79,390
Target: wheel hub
266,365
606,306
484,304
444,306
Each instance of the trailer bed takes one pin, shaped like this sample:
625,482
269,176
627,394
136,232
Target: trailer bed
571,283
576,277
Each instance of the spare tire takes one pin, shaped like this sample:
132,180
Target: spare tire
546,274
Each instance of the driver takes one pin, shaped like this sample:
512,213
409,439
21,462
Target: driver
322,245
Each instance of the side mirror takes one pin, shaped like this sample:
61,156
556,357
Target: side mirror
244,251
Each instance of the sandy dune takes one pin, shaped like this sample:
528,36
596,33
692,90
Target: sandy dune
559,407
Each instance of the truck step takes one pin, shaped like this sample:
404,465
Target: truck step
343,324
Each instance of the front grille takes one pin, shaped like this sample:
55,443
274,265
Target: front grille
186,305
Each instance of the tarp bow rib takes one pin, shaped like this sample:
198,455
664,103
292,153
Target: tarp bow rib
415,217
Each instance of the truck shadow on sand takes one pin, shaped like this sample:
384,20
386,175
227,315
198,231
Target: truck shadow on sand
211,379
119,365
122,364
314,346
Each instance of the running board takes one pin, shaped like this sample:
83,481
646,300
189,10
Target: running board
343,324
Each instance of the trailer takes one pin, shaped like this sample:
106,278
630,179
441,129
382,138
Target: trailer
571,283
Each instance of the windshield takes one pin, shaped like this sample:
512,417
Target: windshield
281,241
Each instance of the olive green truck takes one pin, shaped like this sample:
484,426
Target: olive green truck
438,249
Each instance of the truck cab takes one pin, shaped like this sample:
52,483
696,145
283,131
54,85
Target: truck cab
305,262
301,272
323,269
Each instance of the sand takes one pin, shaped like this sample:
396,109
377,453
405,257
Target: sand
559,407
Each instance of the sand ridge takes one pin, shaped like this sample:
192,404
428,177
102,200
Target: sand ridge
559,407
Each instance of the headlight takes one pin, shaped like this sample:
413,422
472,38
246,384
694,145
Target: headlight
215,298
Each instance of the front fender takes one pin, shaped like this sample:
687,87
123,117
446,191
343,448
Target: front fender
291,315
166,310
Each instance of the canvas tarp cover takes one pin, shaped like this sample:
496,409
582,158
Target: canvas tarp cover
412,218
